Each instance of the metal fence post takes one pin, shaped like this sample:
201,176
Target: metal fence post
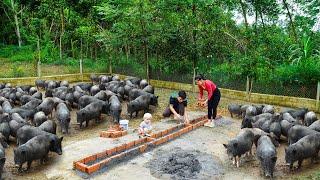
318,96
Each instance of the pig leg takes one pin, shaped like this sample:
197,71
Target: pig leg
234,160
28,165
300,163
238,161
20,168
231,115
87,123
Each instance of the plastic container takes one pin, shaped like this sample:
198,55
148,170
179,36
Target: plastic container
124,124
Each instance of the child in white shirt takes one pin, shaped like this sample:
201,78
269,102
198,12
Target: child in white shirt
145,126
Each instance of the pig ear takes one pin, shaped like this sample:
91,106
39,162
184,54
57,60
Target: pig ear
226,146
274,159
235,145
61,138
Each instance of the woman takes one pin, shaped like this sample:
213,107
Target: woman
213,97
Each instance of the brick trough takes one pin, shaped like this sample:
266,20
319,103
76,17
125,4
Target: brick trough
109,157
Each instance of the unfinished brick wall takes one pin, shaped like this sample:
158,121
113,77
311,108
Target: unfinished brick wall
109,157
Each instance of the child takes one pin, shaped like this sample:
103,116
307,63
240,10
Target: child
145,126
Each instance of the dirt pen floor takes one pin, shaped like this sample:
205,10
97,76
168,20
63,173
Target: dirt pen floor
200,152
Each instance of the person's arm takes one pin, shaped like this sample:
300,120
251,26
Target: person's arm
141,130
210,92
173,110
186,118
200,92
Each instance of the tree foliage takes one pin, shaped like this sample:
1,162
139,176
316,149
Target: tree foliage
265,39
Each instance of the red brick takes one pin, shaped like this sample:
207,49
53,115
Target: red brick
90,158
105,134
123,133
158,135
118,156
190,128
184,130
129,145
104,162
164,132
143,148
176,134
139,141
93,168
121,148
171,136
111,151
166,139
101,155
81,167
116,134
150,139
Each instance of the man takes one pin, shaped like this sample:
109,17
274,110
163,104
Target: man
177,107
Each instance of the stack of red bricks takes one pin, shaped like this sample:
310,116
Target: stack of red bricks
128,150
113,132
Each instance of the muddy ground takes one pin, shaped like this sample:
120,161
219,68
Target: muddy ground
82,142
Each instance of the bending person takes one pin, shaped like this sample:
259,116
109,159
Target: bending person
213,97
178,107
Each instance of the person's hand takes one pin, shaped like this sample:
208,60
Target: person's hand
177,116
202,103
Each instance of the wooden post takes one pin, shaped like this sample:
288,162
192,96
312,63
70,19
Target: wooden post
110,62
60,47
39,59
318,97
247,87
250,90
193,79
81,60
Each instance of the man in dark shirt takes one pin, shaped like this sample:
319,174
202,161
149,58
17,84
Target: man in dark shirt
178,107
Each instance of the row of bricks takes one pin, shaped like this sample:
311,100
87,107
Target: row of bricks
169,130
113,134
113,151
113,159
126,149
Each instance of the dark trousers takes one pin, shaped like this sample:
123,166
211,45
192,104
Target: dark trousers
180,110
213,104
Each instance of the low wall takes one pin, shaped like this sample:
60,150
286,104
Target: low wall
71,78
287,101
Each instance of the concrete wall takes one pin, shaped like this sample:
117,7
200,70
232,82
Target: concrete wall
71,78
242,95
227,93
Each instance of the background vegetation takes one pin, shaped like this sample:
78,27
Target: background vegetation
273,42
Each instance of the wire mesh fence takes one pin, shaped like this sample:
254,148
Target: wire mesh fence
138,69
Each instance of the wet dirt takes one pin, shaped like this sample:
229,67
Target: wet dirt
86,141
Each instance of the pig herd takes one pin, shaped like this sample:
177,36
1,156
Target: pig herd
30,117
265,128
